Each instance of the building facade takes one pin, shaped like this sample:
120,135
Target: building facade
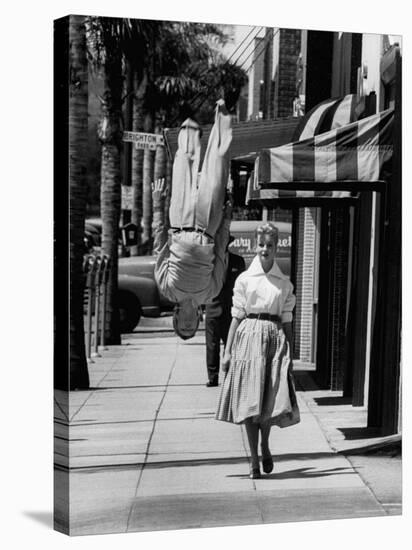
340,272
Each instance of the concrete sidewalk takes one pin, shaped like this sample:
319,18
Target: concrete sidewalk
146,453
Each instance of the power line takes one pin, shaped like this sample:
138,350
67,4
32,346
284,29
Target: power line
247,36
244,50
201,92
267,39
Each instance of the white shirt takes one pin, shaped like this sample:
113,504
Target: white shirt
258,292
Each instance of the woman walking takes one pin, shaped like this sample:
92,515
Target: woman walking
258,390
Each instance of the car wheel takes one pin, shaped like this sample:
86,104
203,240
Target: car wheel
129,311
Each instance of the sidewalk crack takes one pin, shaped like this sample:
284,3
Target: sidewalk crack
146,453
93,391
366,484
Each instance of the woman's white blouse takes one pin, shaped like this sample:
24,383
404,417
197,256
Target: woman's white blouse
258,292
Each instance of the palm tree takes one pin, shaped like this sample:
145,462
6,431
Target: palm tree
137,158
106,41
220,79
148,158
137,47
160,53
78,96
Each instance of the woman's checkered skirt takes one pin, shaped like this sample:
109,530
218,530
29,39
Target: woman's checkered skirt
259,383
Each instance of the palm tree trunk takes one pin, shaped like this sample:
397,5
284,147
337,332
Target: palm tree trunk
78,98
110,195
137,162
127,148
148,162
160,160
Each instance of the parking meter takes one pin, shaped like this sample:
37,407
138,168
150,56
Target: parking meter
90,266
129,234
105,271
96,283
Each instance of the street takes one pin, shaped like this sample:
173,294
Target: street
147,454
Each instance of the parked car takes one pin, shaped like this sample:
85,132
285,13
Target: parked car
138,293
137,290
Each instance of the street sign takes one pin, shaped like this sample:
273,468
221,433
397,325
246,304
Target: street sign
144,140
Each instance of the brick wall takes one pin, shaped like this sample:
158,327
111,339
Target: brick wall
289,50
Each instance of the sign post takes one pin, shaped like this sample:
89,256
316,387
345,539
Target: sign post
127,197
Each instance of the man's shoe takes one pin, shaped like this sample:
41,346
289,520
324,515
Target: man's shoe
212,384
254,473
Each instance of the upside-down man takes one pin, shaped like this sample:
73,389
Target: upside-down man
192,256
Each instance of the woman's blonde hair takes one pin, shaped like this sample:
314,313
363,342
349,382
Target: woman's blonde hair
268,229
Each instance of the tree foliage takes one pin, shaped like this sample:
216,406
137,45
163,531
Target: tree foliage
179,62
190,75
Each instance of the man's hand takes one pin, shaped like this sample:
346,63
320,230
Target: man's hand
158,190
221,106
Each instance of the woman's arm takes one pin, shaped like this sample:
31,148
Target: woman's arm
228,349
287,329
287,316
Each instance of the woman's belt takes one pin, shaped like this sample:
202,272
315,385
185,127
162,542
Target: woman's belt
265,317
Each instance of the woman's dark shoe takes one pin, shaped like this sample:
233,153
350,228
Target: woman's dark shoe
254,473
267,462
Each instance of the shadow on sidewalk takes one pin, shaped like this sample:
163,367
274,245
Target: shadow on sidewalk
233,460
332,401
360,433
144,386
301,473
304,380
153,463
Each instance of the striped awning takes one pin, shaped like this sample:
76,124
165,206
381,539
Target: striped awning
329,164
329,115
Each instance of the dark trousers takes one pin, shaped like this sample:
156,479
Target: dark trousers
216,329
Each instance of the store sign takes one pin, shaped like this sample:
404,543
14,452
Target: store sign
244,244
143,140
